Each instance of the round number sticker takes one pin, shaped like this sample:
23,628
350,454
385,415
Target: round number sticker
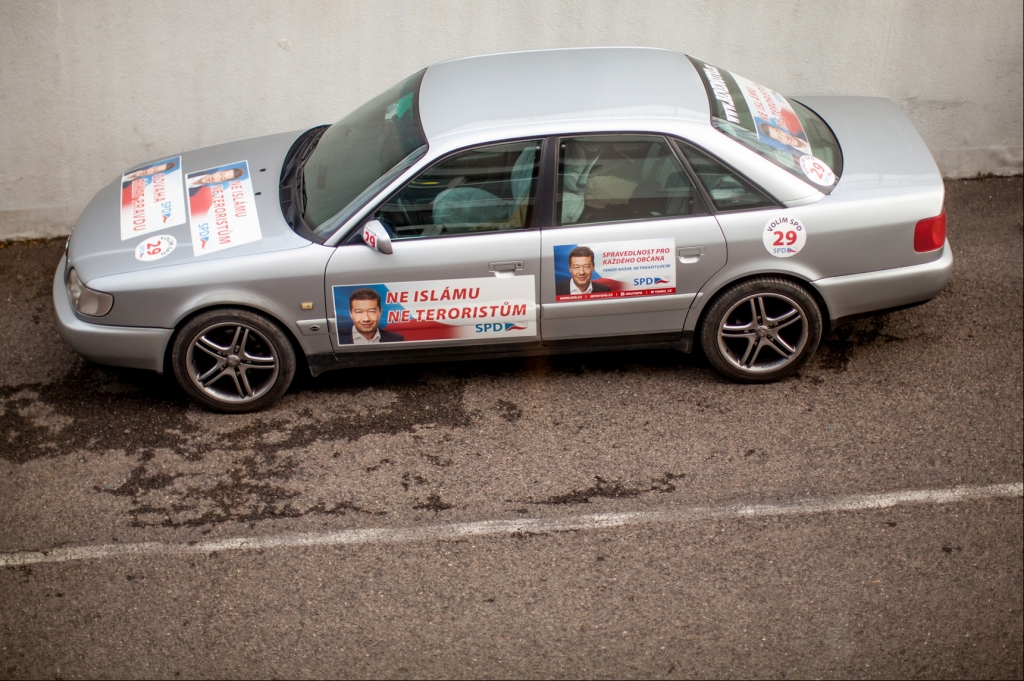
816,171
155,247
784,236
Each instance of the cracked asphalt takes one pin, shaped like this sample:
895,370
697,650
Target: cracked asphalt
925,398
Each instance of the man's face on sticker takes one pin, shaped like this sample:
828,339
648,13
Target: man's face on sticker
218,177
153,170
365,316
784,137
581,268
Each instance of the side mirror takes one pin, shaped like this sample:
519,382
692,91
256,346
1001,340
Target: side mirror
376,237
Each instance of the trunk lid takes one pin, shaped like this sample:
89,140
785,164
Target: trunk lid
881,149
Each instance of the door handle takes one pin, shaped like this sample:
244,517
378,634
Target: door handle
690,254
506,268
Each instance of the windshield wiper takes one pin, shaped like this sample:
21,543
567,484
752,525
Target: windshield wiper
300,188
292,183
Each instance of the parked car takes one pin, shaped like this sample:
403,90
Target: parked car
512,204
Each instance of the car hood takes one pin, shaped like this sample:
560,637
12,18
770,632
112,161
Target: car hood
96,248
881,148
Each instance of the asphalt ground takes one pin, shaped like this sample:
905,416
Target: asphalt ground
928,398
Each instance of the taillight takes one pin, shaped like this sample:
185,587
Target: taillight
930,234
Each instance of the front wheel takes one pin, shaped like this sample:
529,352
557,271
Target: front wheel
761,330
233,361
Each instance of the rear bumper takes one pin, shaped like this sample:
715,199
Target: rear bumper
120,346
871,291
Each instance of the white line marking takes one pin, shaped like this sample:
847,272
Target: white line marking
597,521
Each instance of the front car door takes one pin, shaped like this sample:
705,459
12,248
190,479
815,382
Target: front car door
631,243
465,266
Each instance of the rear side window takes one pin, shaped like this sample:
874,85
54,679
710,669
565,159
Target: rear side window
780,129
728,191
619,178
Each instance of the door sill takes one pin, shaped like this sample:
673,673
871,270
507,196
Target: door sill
318,364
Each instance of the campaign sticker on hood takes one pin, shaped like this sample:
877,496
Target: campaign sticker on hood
816,171
784,236
152,198
447,309
614,269
222,208
155,247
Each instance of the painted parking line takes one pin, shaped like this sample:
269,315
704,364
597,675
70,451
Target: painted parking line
596,521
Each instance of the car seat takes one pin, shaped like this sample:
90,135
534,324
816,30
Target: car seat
463,209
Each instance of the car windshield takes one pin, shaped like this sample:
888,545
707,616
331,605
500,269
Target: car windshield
780,129
358,151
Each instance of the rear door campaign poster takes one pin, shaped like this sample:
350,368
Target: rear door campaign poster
222,208
152,198
486,308
614,269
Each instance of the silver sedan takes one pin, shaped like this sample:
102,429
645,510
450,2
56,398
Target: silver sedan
508,205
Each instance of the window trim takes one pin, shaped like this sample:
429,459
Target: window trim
355,235
556,145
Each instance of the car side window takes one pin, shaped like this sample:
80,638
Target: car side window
615,178
485,189
728,190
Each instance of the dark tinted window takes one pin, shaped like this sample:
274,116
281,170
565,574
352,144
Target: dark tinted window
480,190
614,178
727,189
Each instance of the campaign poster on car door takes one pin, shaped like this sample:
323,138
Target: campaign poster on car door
152,198
493,308
222,208
614,269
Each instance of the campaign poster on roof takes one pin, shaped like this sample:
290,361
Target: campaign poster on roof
614,269
152,198
775,121
489,308
222,208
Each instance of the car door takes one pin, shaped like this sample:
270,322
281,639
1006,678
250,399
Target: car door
465,261
631,243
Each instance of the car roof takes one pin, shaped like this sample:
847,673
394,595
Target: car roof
516,88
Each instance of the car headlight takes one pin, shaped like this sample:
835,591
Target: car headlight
85,300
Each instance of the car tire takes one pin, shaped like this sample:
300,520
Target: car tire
761,330
233,361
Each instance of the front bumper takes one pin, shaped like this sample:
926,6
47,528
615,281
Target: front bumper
119,346
872,291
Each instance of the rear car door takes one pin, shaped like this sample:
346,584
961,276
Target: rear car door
465,264
631,242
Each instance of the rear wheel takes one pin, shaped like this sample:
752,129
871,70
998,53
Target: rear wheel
761,330
232,360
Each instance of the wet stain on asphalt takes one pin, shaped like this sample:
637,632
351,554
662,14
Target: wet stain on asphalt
612,489
99,411
141,410
433,503
509,411
135,407
252,490
837,348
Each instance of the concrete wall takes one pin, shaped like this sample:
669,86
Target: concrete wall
89,88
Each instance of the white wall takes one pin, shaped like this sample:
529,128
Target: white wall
89,88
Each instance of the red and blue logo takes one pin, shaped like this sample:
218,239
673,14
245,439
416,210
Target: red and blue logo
500,327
